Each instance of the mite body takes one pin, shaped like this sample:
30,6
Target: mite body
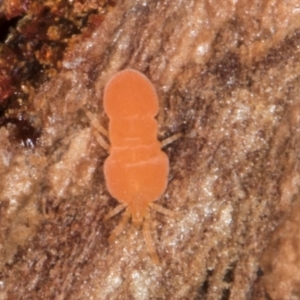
136,170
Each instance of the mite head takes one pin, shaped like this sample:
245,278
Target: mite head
130,93
138,210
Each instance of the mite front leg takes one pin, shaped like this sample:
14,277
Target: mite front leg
120,227
162,210
115,211
148,240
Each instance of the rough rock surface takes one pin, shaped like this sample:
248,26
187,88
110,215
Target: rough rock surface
227,76
281,260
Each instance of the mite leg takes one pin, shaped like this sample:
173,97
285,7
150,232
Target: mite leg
162,210
149,241
100,128
119,228
96,123
101,141
115,211
171,139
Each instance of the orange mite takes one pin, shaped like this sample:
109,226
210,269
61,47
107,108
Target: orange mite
136,170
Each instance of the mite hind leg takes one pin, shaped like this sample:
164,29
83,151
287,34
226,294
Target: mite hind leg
95,123
148,240
171,139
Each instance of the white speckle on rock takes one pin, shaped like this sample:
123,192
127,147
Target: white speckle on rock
203,49
140,283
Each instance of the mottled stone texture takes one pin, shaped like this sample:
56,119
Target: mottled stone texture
281,260
228,76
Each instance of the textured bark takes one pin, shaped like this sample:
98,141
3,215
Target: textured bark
227,76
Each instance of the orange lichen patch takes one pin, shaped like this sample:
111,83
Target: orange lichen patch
136,171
